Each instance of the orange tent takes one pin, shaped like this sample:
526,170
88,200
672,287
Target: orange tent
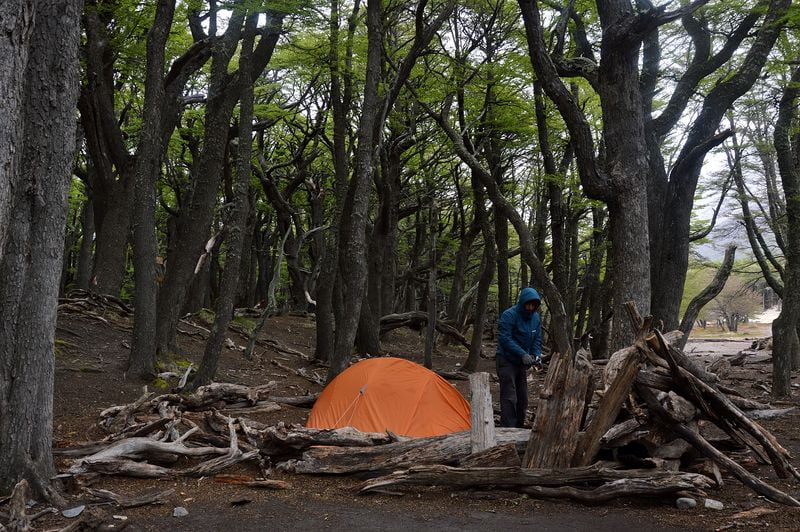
380,394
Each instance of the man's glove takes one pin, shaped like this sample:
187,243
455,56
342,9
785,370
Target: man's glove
527,361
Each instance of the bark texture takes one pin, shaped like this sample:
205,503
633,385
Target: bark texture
31,259
784,329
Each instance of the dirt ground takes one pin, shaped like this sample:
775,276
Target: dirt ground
90,358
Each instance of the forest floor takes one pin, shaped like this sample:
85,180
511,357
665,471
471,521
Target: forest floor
90,359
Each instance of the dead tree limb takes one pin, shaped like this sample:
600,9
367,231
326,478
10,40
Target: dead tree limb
416,320
706,295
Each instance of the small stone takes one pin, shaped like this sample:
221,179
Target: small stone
73,512
685,503
180,511
120,517
711,504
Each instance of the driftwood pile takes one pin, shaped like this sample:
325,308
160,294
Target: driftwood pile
657,412
658,425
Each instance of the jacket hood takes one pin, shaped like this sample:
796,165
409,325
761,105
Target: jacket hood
528,294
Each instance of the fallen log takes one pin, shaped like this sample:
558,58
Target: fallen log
416,320
284,439
498,456
769,413
522,479
306,401
630,488
250,482
126,501
313,377
446,449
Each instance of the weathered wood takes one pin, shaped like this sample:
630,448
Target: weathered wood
306,401
702,445
313,377
262,407
770,413
117,418
481,413
747,404
628,488
522,479
250,482
658,342
220,463
126,501
672,450
721,367
445,449
453,375
559,412
497,456
727,415
137,448
607,411
679,408
619,431
284,439
18,519
125,467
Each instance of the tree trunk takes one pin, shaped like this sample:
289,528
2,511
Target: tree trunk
484,282
16,20
352,264
42,115
430,331
112,211
147,168
784,329
341,102
671,255
238,220
195,219
84,268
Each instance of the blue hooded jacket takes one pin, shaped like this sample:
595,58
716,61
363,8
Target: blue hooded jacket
520,332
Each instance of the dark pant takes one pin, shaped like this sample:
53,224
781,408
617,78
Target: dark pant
513,392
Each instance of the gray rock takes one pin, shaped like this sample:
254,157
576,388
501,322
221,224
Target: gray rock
685,503
180,511
74,512
711,504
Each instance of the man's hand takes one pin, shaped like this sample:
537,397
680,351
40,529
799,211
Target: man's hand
527,361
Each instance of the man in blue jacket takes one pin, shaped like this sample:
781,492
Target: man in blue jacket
519,346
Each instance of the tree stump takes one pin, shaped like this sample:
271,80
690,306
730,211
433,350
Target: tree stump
559,413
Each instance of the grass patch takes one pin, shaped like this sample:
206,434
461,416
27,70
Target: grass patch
243,321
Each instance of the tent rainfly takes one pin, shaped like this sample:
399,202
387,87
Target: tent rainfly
380,394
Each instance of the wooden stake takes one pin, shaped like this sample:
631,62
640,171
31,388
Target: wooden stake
482,415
